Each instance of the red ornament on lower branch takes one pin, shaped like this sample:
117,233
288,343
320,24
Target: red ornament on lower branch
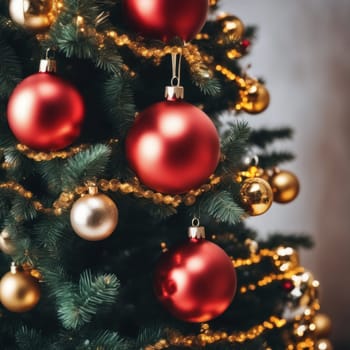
173,147
45,112
195,281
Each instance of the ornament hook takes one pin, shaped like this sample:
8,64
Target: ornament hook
175,91
196,231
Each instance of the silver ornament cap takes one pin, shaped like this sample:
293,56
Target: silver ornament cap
173,93
196,231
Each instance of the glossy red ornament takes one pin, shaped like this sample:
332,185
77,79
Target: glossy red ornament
45,112
195,281
165,19
173,147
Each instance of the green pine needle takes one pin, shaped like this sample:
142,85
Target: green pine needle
29,339
78,304
263,137
222,207
86,165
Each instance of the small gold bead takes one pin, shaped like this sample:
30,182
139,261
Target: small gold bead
168,199
189,200
157,198
114,185
148,194
103,184
126,188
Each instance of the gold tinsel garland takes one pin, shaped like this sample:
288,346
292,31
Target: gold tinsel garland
66,199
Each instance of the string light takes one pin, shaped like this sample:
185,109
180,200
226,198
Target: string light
208,336
266,280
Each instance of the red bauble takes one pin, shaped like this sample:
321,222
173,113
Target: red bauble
173,147
165,19
45,112
195,281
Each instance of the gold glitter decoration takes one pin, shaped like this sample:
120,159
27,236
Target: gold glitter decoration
190,52
207,336
266,280
66,199
228,74
47,156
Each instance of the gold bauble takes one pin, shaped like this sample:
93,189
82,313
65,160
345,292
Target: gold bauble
232,26
7,245
285,186
256,196
94,217
35,15
323,325
323,344
255,98
19,291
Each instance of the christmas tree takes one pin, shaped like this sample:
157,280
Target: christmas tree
122,212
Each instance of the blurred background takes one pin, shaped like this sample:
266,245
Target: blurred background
303,52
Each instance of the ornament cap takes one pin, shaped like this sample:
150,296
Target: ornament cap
13,268
173,93
196,231
48,64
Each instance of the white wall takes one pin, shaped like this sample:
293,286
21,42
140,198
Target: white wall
303,52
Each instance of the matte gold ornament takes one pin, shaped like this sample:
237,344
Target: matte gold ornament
323,325
19,291
94,217
285,186
7,245
232,26
255,98
35,15
256,196
324,344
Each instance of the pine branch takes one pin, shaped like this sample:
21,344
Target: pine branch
86,165
269,160
149,336
78,305
29,339
10,70
119,102
207,84
292,240
264,137
50,231
222,207
234,145
106,340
